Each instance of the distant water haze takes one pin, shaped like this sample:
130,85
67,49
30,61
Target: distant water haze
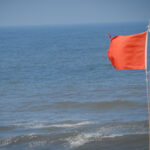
52,12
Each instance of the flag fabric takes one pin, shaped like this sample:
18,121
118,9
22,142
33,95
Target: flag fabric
128,52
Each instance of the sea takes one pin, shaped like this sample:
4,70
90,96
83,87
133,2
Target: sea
58,90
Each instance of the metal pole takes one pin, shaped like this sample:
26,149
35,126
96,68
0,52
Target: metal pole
147,83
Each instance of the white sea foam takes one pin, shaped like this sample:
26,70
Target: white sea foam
72,125
113,135
81,139
64,125
128,133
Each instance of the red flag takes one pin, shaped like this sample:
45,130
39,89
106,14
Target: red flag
128,52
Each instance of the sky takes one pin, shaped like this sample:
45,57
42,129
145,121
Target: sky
56,12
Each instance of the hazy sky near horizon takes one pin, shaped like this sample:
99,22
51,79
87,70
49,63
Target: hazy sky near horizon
49,12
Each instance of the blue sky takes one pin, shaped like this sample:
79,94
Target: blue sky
50,12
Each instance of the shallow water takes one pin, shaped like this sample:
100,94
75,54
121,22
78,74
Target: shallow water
59,91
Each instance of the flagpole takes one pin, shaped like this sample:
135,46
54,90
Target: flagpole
147,88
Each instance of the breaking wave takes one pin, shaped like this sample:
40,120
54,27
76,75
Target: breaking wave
82,136
59,125
71,140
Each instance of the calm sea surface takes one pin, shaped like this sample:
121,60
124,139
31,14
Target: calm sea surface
58,91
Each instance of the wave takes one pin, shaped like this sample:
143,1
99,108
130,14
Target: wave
82,139
133,124
82,125
95,106
85,134
36,138
6,128
111,132
116,141
72,125
74,140
18,139
99,105
59,125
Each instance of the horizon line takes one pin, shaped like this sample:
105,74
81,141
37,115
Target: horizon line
71,24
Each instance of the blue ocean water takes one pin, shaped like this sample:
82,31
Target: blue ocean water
59,91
